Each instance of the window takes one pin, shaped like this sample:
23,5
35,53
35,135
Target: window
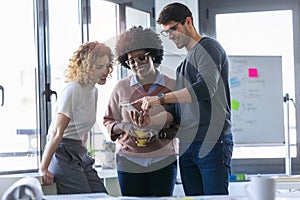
18,114
137,17
62,46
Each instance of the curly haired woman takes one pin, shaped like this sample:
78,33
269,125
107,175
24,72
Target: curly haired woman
65,159
147,169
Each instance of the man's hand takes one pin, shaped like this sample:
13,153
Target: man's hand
141,119
146,102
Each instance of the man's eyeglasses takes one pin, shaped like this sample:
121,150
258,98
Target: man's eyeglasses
142,58
170,30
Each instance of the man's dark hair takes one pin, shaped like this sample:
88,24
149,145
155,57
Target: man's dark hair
138,38
174,12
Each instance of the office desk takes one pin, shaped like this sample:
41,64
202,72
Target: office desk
98,196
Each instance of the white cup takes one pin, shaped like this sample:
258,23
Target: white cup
261,188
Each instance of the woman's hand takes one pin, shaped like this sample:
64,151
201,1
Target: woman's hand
128,128
47,177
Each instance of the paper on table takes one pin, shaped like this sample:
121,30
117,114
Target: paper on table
295,178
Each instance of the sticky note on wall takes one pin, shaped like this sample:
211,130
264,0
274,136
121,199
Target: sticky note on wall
234,82
252,72
235,104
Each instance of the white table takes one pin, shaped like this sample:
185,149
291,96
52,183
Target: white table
98,196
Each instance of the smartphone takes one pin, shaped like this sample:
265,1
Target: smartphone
129,107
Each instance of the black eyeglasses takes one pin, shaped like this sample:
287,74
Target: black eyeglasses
142,58
170,30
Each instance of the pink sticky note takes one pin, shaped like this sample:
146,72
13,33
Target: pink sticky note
252,73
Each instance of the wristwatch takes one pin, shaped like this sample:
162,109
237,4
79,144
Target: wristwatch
161,98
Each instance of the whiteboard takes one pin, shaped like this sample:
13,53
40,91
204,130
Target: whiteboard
256,99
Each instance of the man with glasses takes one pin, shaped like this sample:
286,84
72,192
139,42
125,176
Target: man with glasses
200,104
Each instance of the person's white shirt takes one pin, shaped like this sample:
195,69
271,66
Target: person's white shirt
80,105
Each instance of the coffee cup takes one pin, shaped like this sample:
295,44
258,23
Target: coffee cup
141,140
261,188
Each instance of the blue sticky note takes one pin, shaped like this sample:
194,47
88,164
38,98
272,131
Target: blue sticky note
234,82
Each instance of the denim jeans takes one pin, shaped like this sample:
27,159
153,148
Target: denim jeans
160,182
208,175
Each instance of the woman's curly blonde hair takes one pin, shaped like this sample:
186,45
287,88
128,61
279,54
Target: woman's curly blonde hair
82,63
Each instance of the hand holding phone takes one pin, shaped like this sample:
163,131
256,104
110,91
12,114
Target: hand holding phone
129,107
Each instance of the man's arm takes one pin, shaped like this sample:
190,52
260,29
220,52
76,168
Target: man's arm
179,96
